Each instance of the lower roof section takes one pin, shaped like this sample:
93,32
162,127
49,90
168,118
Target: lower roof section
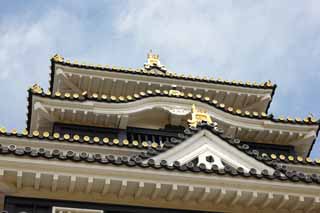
104,144
236,160
153,187
40,169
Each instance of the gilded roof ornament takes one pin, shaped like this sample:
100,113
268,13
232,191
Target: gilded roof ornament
199,116
57,58
36,88
153,60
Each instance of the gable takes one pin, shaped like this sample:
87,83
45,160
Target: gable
209,149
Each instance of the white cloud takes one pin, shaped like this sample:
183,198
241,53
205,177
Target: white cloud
247,40
250,41
25,49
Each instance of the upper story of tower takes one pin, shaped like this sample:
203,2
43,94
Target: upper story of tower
107,80
150,132
153,104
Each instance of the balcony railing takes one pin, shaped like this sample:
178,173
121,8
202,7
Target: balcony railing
131,133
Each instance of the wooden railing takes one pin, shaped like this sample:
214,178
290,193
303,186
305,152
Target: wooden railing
131,133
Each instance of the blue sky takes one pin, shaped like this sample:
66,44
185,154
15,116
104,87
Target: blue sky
242,40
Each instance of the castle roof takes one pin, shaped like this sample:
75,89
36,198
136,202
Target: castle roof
154,70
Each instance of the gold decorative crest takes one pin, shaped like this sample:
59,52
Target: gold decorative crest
153,59
198,116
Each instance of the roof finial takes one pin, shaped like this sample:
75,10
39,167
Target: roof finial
36,88
153,60
57,58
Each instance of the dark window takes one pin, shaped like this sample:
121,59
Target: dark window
33,205
272,148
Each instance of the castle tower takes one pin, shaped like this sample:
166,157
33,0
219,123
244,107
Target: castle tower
113,139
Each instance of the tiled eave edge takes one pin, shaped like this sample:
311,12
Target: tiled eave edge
137,162
158,93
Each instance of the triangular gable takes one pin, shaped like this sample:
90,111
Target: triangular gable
209,149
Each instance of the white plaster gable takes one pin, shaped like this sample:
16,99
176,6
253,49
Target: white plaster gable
211,150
